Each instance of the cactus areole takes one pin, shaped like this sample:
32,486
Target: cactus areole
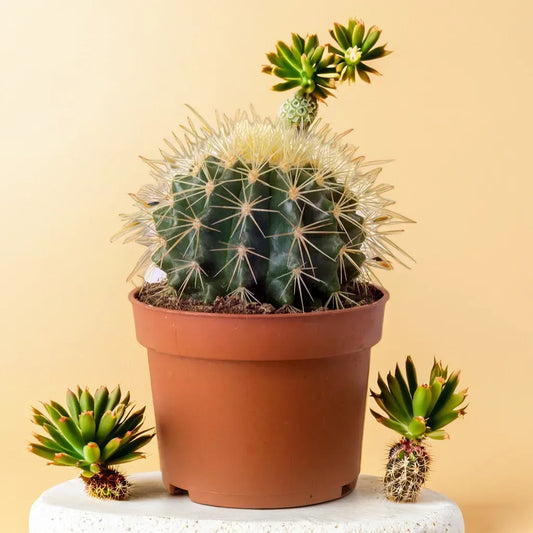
266,410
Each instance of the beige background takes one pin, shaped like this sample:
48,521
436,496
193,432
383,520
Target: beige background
86,86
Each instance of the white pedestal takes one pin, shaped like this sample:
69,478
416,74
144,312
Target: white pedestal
66,508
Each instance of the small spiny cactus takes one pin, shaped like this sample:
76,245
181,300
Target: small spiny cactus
416,412
93,433
407,468
108,484
299,109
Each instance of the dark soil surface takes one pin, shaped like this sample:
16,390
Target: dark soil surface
161,295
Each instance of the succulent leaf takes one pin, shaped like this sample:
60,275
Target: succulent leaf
437,371
135,444
126,399
86,401
100,402
444,419
390,423
63,459
39,418
42,451
421,400
388,400
417,427
106,425
91,452
397,396
113,399
130,423
438,434
71,432
110,448
87,425
55,415
59,408
73,404
410,372
447,391
436,389
58,437
370,39
48,443
406,395
126,458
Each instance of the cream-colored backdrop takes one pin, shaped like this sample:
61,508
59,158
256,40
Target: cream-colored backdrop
86,86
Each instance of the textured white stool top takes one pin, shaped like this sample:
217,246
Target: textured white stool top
66,508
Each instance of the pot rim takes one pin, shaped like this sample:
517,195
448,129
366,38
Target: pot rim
132,297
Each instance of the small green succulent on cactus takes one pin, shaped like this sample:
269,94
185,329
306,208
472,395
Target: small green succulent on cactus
313,69
305,65
93,433
416,412
354,48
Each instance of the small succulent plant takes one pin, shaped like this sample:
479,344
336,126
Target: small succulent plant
93,433
416,411
354,48
313,69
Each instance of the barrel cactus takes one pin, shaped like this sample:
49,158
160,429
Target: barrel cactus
277,211
416,412
93,433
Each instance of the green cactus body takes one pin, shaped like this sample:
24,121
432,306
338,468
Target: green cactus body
265,210
265,235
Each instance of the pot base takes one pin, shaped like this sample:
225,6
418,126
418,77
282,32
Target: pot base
265,501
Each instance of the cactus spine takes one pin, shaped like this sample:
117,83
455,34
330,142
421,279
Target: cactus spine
416,412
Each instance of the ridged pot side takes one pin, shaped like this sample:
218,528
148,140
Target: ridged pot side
259,411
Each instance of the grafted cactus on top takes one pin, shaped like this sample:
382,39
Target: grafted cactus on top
314,70
265,210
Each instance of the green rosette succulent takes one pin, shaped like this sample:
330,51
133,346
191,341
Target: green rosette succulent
93,433
305,65
354,48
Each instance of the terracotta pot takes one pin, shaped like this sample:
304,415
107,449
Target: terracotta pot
259,411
